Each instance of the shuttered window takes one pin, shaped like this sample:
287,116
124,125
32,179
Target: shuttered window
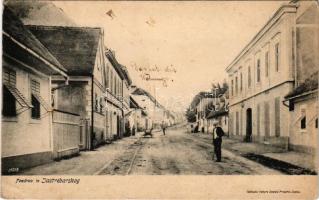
258,70
303,121
9,77
267,119
277,56
35,91
266,63
277,117
258,119
8,99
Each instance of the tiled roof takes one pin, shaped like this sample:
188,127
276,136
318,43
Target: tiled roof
310,84
15,28
126,74
133,103
74,47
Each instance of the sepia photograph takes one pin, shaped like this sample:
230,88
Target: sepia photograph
158,88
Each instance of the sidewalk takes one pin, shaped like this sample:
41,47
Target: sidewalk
88,162
291,162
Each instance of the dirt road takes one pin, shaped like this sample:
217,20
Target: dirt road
179,153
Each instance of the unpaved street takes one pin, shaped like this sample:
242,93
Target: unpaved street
178,153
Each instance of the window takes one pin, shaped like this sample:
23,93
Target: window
236,84
101,104
249,76
9,77
277,116
8,103
232,87
35,90
258,120
316,123
258,70
111,82
241,81
303,121
277,56
96,103
8,100
108,76
266,63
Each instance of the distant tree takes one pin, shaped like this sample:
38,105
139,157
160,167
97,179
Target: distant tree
190,115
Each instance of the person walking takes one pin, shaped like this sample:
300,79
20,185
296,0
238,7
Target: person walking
163,127
218,133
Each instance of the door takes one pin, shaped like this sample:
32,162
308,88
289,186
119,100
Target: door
248,125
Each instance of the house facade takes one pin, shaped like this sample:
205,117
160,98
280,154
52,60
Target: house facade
81,50
116,101
219,112
27,132
303,100
259,78
280,57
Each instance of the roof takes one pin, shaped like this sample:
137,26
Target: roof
19,32
310,84
140,91
126,75
133,103
117,66
286,7
218,113
219,92
74,47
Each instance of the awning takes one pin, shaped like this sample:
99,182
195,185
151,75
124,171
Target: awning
46,106
22,100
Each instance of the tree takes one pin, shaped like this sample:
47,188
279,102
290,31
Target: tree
190,115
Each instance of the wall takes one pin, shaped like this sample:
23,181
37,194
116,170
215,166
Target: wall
261,135
280,32
22,135
304,140
307,40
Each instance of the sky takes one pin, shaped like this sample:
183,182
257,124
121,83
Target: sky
189,43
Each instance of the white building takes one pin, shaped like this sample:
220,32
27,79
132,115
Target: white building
27,138
260,77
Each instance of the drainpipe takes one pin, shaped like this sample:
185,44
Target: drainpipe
92,115
66,83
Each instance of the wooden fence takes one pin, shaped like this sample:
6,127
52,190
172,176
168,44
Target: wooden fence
66,134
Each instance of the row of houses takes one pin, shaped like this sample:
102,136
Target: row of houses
273,83
209,107
64,91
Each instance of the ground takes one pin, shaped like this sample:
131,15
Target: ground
176,153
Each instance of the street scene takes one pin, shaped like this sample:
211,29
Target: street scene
147,88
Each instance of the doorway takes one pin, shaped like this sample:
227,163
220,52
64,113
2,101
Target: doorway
248,137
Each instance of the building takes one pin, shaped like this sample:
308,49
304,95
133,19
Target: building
81,51
117,95
127,82
151,107
219,112
260,77
303,99
135,117
303,105
27,132
202,104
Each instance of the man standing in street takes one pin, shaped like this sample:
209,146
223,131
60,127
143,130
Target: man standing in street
218,133
163,127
